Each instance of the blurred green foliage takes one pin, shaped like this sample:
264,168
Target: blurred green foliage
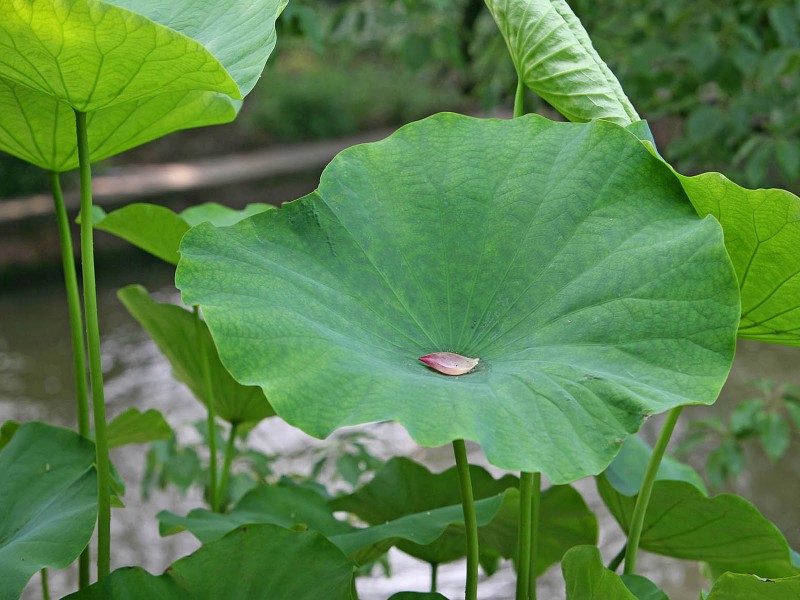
305,95
342,464
724,76
766,418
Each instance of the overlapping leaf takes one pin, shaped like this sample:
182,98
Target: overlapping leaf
564,256
762,234
588,579
258,562
626,472
48,502
294,507
186,343
732,586
554,56
158,230
136,427
404,487
139,73
683,522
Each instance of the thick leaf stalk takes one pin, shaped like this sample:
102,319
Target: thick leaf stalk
211,415
519,98
524,536
95,363
643,498
226,467
76,332
536,504
470,519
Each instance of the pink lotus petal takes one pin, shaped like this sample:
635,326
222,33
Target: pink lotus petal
450,363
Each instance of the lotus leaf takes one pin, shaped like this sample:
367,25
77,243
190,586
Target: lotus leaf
48,502
138,73
258,562
564,256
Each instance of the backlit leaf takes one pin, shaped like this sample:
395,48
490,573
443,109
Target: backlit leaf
554,56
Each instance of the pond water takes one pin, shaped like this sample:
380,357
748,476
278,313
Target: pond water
36,383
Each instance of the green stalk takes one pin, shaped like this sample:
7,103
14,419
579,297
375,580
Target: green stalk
434,575
643,499
519,99
470,519
524,535
211,414
536,501
93,341
226,467
76,331
617,560
45,585
74,306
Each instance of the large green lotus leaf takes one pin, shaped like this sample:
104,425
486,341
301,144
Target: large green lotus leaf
239,33
732,586
40,129
626,471
554,56
92,55
725,530
139,78
762,235
588,579
564,256
257,562
174,330
48,502
294,507
136,427
158,230
403,487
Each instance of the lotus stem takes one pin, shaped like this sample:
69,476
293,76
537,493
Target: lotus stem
45,585
524,535
536,501
93,342
226,467
519,98
617,560
470,519
643,498
76,332
434,575
211,414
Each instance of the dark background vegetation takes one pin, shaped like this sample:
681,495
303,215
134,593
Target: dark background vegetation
719,82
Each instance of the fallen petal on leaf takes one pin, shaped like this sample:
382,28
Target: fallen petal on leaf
450,363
